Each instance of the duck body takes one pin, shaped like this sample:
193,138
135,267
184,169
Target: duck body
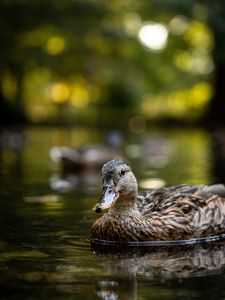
180,212
89,157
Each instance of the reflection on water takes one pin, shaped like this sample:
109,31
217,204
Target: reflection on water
64,182
129,264
169,262
45,219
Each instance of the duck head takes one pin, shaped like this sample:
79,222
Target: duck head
119,186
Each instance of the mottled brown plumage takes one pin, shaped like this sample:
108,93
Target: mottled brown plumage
174,213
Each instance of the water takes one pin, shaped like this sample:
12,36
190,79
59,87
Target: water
44,248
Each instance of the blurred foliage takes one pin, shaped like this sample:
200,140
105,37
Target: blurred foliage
83,61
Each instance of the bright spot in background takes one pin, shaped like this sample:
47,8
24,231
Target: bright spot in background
132,23
79,96
55,45
178,25
152,183
60,92
153,36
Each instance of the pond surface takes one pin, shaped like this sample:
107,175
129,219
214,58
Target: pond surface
46,216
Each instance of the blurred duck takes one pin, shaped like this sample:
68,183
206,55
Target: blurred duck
90,156
180,212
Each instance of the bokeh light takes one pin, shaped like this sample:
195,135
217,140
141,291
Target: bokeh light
183,103
153,36
199,36
178,25
79,95
132,23
60,92
194,62
152,183
55,45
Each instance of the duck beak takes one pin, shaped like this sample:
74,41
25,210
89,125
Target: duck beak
108,198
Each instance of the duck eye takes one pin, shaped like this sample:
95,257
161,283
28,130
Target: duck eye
122,172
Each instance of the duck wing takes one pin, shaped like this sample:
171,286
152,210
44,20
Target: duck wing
155,199
193,210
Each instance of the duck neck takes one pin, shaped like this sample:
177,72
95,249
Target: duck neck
124,204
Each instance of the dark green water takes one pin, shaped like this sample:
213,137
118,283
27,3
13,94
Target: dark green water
44,248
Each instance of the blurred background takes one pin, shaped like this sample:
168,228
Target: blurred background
144,81
82,82
89,62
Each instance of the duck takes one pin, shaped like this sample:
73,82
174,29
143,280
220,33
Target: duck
176,213
87,157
